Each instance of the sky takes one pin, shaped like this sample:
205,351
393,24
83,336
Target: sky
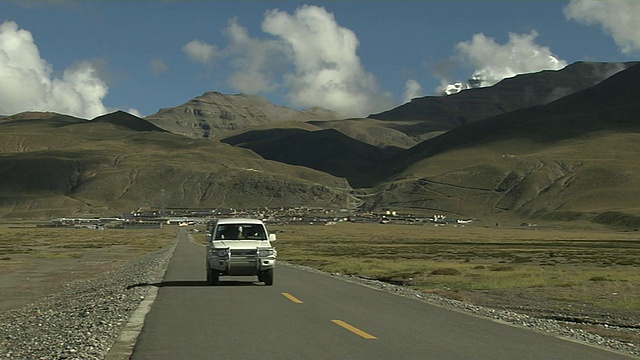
356,57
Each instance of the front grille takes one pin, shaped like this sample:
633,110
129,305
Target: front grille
243,252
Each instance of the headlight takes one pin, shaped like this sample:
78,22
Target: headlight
222,252
265,252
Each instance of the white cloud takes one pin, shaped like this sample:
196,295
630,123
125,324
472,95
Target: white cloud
412,90
308,56
27,84
618,18
327,71
200,51
260,64
135,112
494,62
158,66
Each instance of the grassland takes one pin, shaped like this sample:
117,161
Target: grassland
557,267
72,242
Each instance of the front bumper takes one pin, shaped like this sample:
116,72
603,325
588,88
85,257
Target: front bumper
241,261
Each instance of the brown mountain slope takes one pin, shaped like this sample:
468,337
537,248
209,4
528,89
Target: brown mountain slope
51,167
578,154
441,113
214,114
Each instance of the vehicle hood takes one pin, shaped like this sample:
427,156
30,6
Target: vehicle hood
241,244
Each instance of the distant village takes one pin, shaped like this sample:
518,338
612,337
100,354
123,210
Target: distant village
157,218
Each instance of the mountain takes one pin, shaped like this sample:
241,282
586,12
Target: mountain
578,154
214,114
575,157
436,114
55,165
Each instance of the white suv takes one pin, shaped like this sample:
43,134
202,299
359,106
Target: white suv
240,247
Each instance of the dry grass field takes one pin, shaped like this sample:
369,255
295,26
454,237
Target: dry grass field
482,258
35,261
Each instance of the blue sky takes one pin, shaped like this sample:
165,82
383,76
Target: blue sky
86,58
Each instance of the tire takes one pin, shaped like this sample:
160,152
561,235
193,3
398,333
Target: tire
213,276
267,277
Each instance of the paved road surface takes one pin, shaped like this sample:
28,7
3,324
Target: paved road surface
306,315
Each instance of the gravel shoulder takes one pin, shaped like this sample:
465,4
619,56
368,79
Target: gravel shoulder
70,310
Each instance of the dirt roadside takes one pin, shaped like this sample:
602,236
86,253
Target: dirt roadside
26,278
623,326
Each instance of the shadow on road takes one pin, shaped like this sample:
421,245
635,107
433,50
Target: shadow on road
192,283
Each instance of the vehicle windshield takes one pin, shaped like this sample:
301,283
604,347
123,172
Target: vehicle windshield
240,232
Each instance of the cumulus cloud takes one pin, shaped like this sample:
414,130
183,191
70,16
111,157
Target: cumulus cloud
494,62
618,18
199,51
27,84
412,89
158,66
326,71
308,56
135,112
260,64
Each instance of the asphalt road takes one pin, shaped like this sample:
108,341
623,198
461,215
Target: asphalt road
306,315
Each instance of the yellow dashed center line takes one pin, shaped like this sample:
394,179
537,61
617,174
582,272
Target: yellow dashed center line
341,323
292,298
353,329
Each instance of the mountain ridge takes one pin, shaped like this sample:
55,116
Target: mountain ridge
527,163
577,155
443,113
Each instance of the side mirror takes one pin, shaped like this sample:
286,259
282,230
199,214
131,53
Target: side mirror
272,237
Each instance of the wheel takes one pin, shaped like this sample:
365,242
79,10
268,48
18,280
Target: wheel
267,277
213,276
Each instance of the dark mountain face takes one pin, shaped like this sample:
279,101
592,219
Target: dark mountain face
329,151
127,121
443,113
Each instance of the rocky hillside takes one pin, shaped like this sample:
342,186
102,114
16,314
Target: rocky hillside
214,114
